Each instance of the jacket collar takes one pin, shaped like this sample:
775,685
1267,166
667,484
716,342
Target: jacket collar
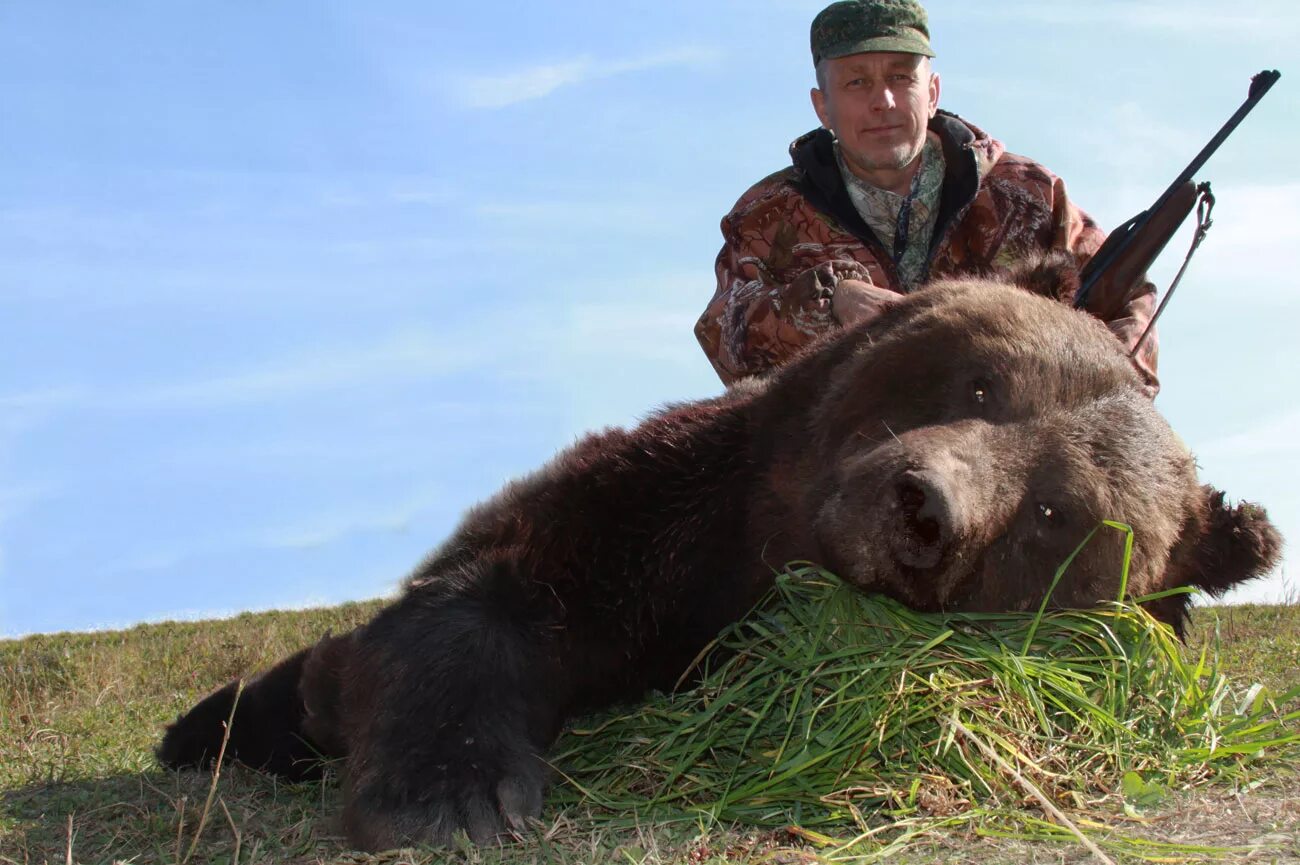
969,153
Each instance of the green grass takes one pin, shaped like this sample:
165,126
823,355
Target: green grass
829,706
864,726
1256,642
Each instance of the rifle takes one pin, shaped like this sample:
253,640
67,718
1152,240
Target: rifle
1130,249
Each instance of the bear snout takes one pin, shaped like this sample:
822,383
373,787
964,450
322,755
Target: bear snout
925,519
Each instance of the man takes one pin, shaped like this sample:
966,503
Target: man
889,193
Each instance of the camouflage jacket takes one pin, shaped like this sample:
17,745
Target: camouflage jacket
795,233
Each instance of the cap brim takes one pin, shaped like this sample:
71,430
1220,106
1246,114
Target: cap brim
899,44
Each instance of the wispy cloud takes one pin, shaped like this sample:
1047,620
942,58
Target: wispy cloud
17,409
640,333
1253,238
1250,253
634,330
1275,438
498,91
413,353
536,82
323,529
1132,141
430,196
402,356
573,216
1259,21
308,531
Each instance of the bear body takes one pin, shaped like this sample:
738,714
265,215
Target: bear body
951,454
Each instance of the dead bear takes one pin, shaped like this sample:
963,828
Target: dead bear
950,454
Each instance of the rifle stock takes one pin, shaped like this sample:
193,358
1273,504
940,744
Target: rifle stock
1130,249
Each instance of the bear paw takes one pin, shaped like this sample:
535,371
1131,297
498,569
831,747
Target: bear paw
490,800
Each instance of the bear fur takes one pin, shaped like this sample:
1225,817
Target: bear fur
950,454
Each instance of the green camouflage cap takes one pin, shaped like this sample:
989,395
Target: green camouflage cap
856,26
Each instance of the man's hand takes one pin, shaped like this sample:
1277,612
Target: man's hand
855,301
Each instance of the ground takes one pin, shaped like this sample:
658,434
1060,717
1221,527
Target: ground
79,714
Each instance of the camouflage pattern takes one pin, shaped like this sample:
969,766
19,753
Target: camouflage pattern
881,210
783,254
857,26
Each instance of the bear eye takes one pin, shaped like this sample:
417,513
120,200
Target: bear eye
1049,513
980,392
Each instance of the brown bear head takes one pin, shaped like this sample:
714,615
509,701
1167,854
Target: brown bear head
964,445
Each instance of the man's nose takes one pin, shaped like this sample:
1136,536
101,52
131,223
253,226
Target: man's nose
884,99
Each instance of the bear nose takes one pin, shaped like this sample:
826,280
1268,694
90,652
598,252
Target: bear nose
925,519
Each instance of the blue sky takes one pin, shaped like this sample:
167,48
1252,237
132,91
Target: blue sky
284,288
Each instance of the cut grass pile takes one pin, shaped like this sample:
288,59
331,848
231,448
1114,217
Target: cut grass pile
837,712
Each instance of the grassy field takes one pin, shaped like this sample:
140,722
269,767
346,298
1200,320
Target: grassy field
80,713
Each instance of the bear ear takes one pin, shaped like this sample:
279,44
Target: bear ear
1220,547
1227,546
1054,275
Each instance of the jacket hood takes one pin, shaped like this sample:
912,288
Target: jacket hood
968,151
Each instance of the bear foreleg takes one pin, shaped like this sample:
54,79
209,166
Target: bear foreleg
454,695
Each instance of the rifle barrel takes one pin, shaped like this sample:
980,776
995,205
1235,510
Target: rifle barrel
1259,85
1099,263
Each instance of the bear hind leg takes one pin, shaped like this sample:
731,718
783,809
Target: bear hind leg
265,733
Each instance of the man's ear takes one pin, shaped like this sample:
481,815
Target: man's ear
819,106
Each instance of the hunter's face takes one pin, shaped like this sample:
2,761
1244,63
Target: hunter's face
878,105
